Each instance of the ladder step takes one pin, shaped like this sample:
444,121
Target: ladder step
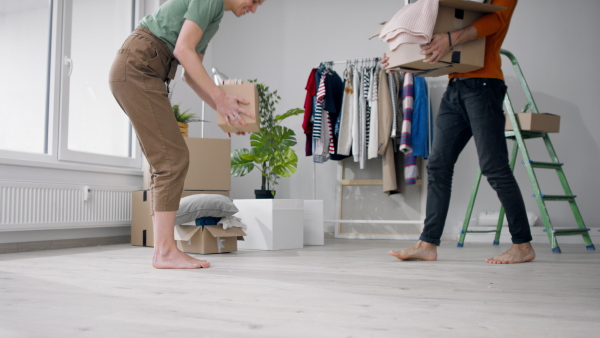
525,134
545,165
569,232
479,231
567,198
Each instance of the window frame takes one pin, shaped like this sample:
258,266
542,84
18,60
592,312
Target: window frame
57,116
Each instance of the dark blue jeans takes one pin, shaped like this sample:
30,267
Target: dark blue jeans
472,108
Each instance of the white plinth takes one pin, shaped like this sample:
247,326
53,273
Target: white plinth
314,228
272,224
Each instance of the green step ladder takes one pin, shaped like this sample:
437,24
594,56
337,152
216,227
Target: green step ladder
519,136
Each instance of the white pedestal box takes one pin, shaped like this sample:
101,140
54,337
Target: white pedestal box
314,228
272,224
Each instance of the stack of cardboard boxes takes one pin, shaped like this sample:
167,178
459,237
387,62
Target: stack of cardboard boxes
209,173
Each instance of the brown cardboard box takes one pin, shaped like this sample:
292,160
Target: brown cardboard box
538,122
452,15
249,92
210,165
142,233
208,239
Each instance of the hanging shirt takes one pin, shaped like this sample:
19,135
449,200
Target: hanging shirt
346,117
422,121
410,161
357,120
373,146
408,97
320,124
311,92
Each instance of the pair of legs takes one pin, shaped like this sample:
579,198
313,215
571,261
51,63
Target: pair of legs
137,81
472,108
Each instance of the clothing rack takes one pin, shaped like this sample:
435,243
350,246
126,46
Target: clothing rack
339,221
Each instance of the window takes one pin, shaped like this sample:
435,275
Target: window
56,101
24,30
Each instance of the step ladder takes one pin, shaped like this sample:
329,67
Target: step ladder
519,136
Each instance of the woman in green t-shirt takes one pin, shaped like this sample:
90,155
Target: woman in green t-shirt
177,33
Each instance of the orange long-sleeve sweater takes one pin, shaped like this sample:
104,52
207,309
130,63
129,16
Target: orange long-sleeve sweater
493,27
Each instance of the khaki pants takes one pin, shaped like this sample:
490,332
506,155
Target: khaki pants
138,80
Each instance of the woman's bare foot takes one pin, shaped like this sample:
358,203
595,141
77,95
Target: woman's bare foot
518,253
420,251
175,259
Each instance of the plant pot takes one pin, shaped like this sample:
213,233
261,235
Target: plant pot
184,128
264,194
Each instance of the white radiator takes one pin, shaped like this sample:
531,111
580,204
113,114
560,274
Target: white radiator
38,206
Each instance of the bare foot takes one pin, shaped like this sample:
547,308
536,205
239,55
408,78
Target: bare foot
175,259
518,253
420,251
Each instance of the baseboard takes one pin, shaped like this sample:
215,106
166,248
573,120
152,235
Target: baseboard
62,244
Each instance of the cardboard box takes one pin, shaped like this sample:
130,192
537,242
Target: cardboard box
272,224
207,239
142,233
210,165
538,122
452,15
249,92
314,227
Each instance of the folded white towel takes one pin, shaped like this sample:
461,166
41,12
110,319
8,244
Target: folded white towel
414,23
231,222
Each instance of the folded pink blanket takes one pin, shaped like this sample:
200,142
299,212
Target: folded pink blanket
414,23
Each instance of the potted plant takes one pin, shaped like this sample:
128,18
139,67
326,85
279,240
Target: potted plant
184,119
271,148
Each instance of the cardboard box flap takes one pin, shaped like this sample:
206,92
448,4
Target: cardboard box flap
471,6
185,233
379,30
218,231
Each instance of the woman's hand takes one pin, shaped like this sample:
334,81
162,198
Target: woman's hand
385,62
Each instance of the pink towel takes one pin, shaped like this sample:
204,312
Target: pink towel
414,23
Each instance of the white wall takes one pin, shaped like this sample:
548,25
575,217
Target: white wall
553,40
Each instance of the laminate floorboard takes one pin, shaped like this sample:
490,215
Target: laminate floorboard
346,288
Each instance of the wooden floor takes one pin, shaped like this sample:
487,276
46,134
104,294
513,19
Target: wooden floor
347,288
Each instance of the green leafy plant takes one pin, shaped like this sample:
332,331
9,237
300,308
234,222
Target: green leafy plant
270,149
184,117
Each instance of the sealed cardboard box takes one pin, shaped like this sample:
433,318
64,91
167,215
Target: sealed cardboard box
452,15
142,233
272,224
538,122
249,92
207,239
210,165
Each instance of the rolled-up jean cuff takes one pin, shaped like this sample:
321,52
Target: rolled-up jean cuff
521,241
430,240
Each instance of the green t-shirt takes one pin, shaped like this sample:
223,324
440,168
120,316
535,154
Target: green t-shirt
167,21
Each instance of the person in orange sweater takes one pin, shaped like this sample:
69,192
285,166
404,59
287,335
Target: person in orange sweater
472,107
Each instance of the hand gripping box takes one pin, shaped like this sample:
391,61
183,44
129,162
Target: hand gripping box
452,15
249,92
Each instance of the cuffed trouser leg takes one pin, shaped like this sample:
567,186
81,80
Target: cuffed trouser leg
137,80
